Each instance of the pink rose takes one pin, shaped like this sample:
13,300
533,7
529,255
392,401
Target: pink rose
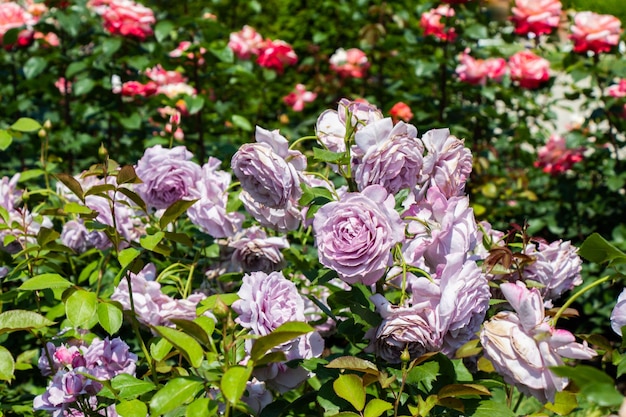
276,55
349,63
536,16
127,18
135,88
161,76
595,32
528,69
246,42
617,90
12,16
555,157
298,97
432,24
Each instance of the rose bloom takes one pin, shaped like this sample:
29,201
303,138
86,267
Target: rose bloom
349,63
135,88
276,55
536,16
246,42
618,315
354,236
388,155
298,97
127,18
617,90
254,251
400,111
162,77
268,170
12,16
477,71
522,345
595,32
168,176
528,69
555,157
432,24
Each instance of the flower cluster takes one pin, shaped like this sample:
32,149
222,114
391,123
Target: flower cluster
477,71
434,23
71,392
168,83
125,17
273,54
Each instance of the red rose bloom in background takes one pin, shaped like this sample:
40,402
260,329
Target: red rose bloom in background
12,16
528,69
276,54
536,16
555,158
125,17
400,111
595,32
432,24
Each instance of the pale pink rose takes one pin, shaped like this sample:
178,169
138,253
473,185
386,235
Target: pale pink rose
276,55
162,77
617,90
246,42
536,16
12,16
298,97
528,69
185,48
128,18
471,70
349,63
595,32
432,24
555,157
400,111
522,345
176,89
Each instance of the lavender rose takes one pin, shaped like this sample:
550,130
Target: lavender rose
522,346
618,315
168,175
254,251
390,155
354,236
268,170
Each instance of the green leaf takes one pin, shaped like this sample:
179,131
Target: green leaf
45,236
186,344
134,197
476,31
83,86
151,241
81,308
30,174
200,407
224,54
25,124
329,156
489,408
132,122
209,303
126,175
132,408
131,387
350,388
162,30
353,363
74,68
181,238
597,249
241,122
605,395
101,190
45,281
126,256
376,407
424,375
7,365
176,392
564,403
194,104
76,208
233,383
111,45
13,320
582,375
458,390
71,183
193,329
5,140
280,335
34,66
110,317
174,211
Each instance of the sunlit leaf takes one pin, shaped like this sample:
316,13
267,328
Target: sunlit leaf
45,281
233,383
81,308
13,320
7,365
350,388
176,392
186,344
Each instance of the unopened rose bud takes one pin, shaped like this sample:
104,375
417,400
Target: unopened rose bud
405,356
42,133
220,310
102,152
47,124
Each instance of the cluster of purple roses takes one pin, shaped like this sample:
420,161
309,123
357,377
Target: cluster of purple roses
401,221
71,392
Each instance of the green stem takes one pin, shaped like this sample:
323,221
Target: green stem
575,296
302,139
